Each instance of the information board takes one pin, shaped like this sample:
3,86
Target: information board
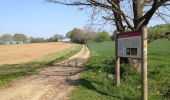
129,44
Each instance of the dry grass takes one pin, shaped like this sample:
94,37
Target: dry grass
12,54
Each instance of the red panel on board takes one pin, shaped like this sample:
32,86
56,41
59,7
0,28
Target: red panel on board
128,34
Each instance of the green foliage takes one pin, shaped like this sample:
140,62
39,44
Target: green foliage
113,36
56,38
68,34
168,37
6,38
37,40
19,37
98,80
53,38
79,36
103,36
158,31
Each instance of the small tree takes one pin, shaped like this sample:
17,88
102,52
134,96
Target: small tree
68,34
103,36
19,38
60,37
77,36
53,39
113,36
6,38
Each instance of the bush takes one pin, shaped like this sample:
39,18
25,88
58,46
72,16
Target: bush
37,40
103,36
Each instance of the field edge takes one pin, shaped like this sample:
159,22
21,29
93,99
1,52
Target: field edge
12,72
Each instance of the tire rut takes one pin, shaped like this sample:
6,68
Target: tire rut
52,83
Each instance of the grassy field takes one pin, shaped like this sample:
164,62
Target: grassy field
14,54
98,80
9,72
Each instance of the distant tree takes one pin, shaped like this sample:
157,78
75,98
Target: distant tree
68,34
158,31
6,38
103,36
87,35
59,37
20,38
56,38
77,36
90,36
37,40
113,36
90,33
168,35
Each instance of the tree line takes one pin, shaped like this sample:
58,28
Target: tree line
81,36
20,38
158,32
13,39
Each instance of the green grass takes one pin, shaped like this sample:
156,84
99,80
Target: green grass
98,80
15,71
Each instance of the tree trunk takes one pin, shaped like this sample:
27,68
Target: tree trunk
138,12
135,63
118,19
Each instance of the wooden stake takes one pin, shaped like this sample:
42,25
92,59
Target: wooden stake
117,63
144,64
118,71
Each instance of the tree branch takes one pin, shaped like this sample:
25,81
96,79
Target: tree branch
70,4
156,4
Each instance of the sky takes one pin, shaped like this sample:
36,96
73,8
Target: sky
38,18
41,19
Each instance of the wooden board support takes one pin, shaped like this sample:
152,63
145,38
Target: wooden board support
141,48
144,64
117,68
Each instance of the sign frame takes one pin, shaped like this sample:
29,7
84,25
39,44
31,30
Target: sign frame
129,44
143,50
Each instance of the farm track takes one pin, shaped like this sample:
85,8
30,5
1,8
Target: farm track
52,83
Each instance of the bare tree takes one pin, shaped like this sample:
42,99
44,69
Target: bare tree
132,14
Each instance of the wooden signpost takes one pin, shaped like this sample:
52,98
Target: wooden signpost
133,45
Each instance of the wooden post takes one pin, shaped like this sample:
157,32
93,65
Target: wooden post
144,64
117,63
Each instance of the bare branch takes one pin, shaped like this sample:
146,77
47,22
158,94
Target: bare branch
76,3
117,11
160,15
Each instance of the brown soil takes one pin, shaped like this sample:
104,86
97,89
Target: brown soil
12,54
52,83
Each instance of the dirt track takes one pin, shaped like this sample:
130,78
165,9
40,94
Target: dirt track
52,83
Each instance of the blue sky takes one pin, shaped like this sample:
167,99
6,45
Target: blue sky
40,19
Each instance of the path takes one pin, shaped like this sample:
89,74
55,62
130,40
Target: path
52,83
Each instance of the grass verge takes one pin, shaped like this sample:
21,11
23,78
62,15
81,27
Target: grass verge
13,71
98,80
